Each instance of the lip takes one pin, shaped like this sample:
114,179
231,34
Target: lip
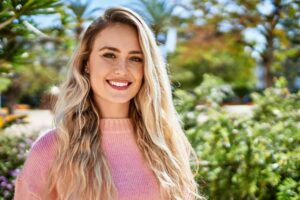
119,87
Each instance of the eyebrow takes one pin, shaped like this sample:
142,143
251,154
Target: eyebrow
117,50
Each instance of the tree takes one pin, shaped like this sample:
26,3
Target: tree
81,13
287,57
157,13
15,10
241,15
15,28
204,49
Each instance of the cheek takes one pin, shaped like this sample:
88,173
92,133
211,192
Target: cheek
139,73
99,69
97,79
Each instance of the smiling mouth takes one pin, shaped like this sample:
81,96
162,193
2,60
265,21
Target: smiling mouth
119,85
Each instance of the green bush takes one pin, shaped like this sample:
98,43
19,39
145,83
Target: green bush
245,157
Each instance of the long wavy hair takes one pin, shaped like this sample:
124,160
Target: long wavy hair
80,168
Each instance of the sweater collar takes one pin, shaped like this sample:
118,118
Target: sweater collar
120,125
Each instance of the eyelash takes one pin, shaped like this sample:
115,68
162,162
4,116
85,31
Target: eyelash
136,59
113,56
109,55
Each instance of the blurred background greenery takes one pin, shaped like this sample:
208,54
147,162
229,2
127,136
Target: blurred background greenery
219,53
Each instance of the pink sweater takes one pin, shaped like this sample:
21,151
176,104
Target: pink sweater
133,179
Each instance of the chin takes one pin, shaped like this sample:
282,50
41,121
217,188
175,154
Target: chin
120,101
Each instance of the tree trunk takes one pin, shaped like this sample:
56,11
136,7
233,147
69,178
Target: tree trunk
268,73
268,57
268,54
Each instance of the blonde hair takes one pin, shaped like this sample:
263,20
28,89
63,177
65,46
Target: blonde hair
80,169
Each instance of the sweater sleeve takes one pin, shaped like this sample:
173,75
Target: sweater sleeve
22,191
32,180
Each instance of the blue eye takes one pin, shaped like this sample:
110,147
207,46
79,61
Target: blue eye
109,55
136,59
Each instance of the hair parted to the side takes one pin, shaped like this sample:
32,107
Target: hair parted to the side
80,169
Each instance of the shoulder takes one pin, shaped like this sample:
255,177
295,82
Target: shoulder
45,143
43,149
39,159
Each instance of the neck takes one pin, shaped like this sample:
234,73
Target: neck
114,110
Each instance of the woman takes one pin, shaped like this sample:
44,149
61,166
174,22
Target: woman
117,132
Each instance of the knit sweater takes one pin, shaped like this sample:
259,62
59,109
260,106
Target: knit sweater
132,177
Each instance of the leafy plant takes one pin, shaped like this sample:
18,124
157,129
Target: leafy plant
246,157
13,151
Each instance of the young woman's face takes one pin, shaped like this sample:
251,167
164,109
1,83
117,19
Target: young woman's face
116,65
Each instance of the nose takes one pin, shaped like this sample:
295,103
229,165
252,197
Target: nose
121,67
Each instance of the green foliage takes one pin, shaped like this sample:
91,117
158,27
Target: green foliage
33,80
246,157
31,58
213,90
289,190
4,83
220,55
158,14
16,8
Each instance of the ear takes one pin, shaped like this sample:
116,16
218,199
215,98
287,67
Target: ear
87,68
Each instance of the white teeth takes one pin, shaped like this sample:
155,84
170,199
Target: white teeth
119,84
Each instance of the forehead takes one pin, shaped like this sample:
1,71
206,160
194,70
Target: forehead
120,36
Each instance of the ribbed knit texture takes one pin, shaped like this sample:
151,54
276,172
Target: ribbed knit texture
132,177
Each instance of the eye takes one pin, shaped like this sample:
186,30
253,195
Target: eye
109,55
136,59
